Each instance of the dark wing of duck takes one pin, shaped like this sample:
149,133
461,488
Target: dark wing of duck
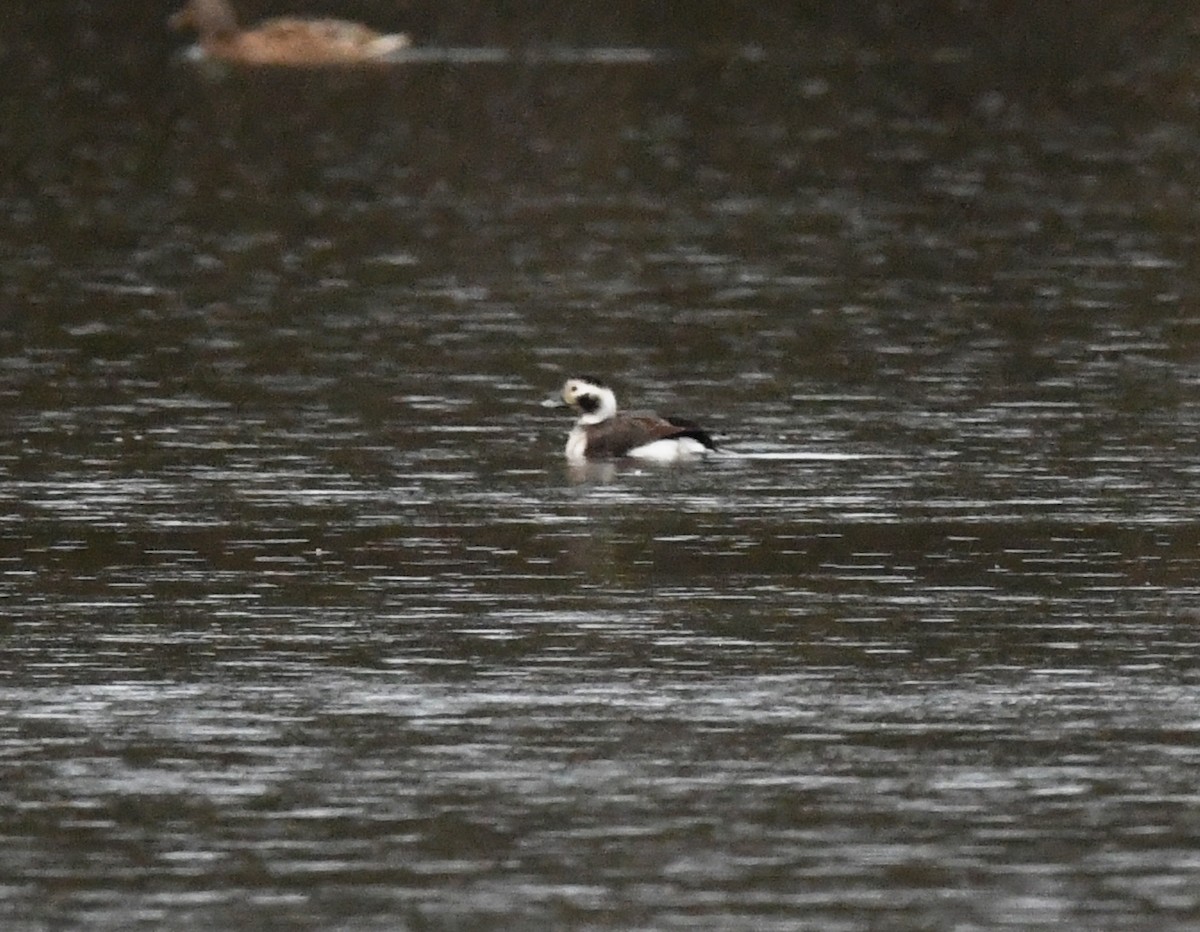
686,428
633,429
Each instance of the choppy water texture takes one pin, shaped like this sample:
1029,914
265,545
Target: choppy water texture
307,624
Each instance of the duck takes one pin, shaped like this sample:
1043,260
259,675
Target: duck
285,40
604,433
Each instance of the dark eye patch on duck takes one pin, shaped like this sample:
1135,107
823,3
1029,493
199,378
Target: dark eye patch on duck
588,404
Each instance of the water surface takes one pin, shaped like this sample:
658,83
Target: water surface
308,624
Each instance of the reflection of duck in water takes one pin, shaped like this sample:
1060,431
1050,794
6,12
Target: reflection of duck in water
283,41
603,432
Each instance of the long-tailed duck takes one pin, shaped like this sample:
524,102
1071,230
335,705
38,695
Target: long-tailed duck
602,432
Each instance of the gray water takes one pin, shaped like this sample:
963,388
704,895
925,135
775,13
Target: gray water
307,624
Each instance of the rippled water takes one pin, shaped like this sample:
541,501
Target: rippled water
308,624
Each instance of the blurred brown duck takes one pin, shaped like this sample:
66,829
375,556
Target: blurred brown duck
286,40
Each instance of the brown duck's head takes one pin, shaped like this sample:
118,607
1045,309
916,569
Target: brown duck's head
211,19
